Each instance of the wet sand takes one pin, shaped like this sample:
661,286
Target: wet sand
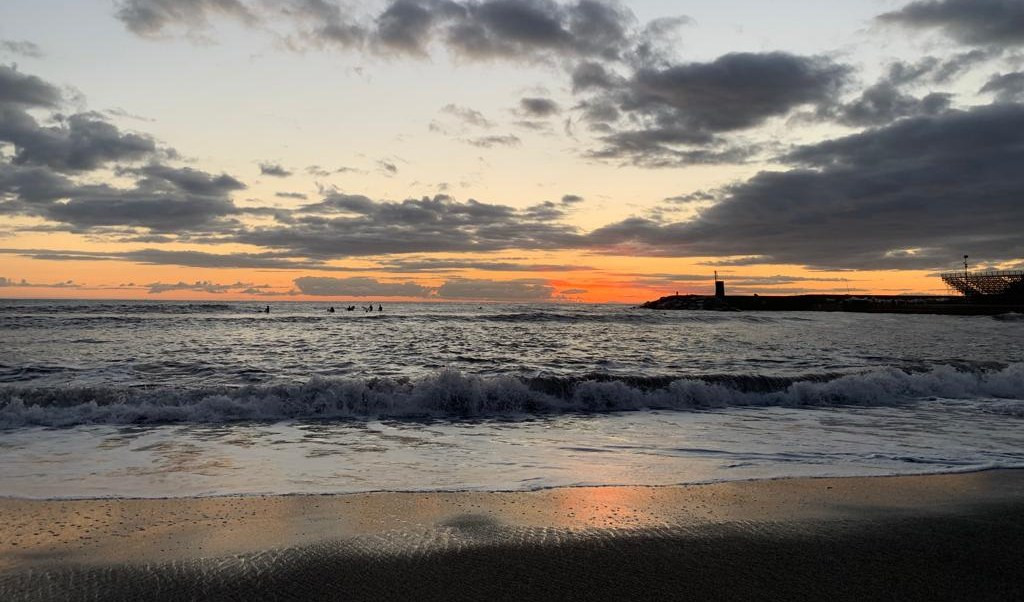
922,537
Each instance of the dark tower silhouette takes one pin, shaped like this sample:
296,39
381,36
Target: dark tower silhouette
719,287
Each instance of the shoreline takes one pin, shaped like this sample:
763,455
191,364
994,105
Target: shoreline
540,489
758,538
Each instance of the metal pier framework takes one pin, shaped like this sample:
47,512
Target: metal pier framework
1007,283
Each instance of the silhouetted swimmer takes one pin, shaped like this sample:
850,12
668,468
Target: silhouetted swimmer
380,307
267,310
331,310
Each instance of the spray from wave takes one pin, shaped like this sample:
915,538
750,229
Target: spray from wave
451,394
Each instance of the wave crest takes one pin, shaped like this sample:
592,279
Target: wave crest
449,393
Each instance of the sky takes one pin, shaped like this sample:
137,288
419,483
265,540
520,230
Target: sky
506,150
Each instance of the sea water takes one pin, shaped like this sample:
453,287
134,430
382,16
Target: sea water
156,399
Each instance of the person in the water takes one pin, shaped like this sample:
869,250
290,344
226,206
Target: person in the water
330,310
267,310
380,307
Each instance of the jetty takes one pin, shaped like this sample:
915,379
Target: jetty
972,293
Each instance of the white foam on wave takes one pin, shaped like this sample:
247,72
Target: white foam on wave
450,393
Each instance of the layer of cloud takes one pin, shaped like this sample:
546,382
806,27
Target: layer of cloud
973,22
353,225
679,114
915,194
473,29
1007,87
358,286
205,286
22,283
496,290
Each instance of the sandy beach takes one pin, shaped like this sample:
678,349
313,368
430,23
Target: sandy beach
917,537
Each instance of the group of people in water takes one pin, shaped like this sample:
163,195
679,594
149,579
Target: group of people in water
330,310
369,307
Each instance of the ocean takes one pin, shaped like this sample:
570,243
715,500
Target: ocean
172,399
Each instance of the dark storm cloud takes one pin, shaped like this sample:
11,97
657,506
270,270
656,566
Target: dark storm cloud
353,225
678,114
21,48
914,194
496,290
152,17
1008,87
358,286
538,107
975,22
274,170
17,88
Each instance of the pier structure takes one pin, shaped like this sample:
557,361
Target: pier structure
987,284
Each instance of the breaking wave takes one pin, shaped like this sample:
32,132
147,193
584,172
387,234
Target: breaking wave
451,394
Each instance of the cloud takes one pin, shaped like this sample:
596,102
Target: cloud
354,225
79,142
358,286
387,167
973,22
700,196
572,199
22,48
573,291
19,89
446,265
204,286
496,290
163,199
9,283
914,194
520,30
467,115
194,259
274,170
152,17
492,141
538,107
1008,87
883,103
677,114
291,195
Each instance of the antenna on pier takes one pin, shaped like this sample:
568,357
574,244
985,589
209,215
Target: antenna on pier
965,266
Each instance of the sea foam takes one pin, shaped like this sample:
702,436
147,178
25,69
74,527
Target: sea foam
451,394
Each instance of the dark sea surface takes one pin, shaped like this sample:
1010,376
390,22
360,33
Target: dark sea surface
153,399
